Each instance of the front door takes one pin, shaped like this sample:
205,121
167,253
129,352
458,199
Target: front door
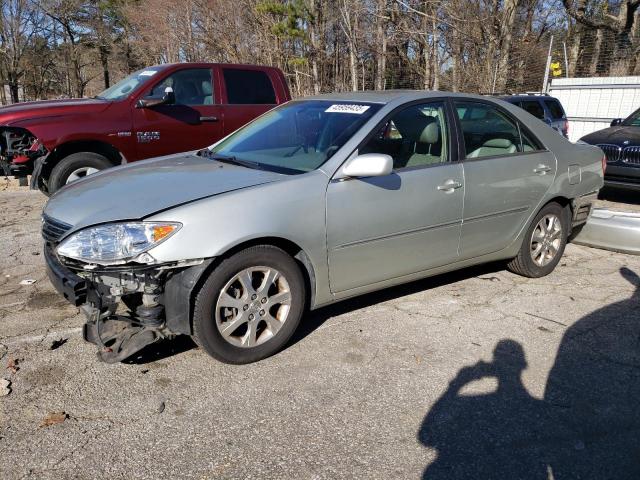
507,172
406,222
193,122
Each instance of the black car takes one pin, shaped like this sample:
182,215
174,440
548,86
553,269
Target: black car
542,106
621,144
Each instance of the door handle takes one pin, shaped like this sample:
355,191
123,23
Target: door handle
541,169
208,119
449,186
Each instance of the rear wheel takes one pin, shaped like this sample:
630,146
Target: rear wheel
544,243
75,167
249,306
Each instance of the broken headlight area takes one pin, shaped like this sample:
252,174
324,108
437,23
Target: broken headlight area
128,307
18,150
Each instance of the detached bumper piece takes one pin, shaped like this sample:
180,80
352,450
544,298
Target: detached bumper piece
611,230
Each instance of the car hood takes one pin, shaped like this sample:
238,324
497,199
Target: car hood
47,108
614,135
135,191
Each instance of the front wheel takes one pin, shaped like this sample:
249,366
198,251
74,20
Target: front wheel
75,167
250,305
543,244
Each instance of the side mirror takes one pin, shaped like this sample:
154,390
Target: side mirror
369,165
616,121
169,98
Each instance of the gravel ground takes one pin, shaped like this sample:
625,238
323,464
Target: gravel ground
476,374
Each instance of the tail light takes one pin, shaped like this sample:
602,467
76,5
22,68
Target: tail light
565,128
604,164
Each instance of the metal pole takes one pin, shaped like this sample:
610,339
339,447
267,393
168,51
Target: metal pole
566,61
545,88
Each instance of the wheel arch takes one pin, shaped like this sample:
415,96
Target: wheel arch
75,146
565,203
290,247
186,284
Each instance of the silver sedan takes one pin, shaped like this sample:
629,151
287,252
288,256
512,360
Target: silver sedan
316,201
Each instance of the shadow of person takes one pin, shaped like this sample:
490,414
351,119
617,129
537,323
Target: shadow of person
595,384
498,435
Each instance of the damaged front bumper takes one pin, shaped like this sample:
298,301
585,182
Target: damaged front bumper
157,301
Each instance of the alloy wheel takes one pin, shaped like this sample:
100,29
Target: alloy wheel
253,306
546,240
81,172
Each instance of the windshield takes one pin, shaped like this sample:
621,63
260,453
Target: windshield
297,137
633,120
128,84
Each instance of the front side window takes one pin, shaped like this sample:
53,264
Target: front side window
297,137
248,87
191,86
488,132
534,108
413,137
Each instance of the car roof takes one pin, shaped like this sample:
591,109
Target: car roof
389,96
508,98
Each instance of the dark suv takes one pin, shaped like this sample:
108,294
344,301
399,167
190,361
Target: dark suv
621,144
546,108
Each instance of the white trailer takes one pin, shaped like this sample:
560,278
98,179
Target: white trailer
591,103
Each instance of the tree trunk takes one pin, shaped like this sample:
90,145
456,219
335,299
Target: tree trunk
435,59
104,60
381,44
316,44
506,32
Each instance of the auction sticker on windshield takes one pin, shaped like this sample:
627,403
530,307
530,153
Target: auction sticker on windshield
342,108
147,73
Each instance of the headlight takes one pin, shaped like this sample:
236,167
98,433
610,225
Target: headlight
115,242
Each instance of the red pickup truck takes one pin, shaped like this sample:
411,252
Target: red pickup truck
155,111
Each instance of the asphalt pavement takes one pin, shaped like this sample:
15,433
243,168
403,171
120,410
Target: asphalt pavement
476,374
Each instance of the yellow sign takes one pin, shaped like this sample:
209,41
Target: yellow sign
556,69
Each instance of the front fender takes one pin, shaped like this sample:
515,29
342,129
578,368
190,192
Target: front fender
292,209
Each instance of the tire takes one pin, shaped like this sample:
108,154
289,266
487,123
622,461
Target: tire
249,327
524,264
61,173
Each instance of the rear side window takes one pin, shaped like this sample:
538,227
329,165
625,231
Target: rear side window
248,87
555,108
488,132
534,108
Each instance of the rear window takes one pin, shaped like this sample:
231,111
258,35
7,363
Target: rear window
248,87
534,108
555,108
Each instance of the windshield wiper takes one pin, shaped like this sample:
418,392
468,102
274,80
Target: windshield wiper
234,161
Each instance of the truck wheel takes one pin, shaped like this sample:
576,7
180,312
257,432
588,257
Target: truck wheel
249,306
543,243
74,167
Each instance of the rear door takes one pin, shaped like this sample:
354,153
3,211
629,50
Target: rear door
246,92
193,122
507,172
